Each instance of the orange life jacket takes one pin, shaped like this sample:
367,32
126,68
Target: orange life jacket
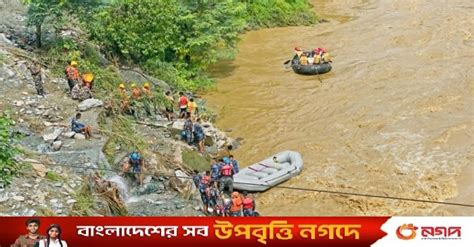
226,170
136,93
72,73
205,179
236,204
248,203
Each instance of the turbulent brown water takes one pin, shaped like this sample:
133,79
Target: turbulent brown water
394,117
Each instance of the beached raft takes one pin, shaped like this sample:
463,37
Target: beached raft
313,69
267,173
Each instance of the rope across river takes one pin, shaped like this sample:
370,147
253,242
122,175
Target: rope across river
294,188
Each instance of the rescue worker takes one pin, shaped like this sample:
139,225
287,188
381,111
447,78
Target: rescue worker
303,59
199,135
88,79
325,56
136,164
72,74
183,105
81,92
215,170
35,69
248,205
235,164
227,174
196,178
204,183
188,129
193,108
236,207
125,100
212,193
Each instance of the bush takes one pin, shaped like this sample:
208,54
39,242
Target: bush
8,166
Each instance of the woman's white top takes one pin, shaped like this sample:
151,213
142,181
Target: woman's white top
52,243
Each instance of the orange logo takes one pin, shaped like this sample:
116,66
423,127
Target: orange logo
403,227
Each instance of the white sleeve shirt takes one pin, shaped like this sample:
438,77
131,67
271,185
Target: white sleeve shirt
52,243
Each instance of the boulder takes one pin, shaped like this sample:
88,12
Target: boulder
89,103
52,136
78,136
69,134
40,169
57,145
177,127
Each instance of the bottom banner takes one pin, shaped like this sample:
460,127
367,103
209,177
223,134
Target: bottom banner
191,231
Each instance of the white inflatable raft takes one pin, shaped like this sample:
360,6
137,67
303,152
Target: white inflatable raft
267,173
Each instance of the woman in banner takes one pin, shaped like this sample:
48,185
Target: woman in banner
54,237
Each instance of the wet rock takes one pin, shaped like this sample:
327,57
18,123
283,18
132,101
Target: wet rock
52,136
18,198
89,103
69,134
147,179
57,145
79,136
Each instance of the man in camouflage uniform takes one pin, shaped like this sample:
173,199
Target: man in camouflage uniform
35,69
81,92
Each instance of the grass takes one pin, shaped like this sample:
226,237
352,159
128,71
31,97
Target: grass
84,201
195,161
54,177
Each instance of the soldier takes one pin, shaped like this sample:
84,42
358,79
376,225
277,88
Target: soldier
35,69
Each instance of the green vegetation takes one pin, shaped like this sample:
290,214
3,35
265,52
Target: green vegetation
194,161
177,40
54,176
84,201
8,166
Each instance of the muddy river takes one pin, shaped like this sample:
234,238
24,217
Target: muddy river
393,117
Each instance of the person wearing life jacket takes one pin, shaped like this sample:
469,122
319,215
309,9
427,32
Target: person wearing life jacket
248,204
325,57
303,59
136,92
183,105
236,207
227,174
212,193
317,55
193,108
235,164
298,51
203,185
88,79
135,165
72,74
125,100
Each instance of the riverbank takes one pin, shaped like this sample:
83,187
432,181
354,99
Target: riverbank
375,125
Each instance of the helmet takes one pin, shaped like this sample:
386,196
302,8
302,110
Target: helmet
146,85
122,86
135,156
73,63
298,49
226,160
134,85
88,77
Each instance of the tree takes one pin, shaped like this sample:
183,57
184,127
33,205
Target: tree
39,10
